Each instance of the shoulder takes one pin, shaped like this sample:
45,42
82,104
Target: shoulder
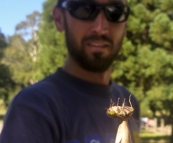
33,107
41,89
40,96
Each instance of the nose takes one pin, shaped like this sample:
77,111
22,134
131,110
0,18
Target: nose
100,24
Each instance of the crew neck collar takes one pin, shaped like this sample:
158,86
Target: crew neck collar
89,87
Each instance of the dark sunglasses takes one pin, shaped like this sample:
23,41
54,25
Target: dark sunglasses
114,12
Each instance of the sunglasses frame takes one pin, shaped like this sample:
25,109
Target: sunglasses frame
99,7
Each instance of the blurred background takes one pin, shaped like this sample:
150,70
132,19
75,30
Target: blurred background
31,49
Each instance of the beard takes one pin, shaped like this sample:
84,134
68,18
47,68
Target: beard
98,63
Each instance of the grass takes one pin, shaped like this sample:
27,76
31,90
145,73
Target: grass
149,137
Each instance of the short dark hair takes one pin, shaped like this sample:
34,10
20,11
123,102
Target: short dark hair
59,2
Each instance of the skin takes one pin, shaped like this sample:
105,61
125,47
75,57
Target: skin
80,29
123,133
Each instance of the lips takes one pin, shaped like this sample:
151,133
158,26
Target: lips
97,46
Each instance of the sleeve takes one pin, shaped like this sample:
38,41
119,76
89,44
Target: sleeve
26,123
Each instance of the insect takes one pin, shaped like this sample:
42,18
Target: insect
122,112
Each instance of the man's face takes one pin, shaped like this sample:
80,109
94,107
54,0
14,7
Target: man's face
93,45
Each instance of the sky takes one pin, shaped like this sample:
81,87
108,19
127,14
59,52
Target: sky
12,12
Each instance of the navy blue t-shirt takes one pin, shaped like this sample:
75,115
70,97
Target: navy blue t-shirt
65,109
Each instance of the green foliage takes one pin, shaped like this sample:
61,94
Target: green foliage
28,28
145,63
161,30
51,42
21,53
3,42
19,61
5,76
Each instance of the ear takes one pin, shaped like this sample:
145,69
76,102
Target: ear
58,19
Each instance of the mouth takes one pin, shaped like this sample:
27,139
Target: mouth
97,46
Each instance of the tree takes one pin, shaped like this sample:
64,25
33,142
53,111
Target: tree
145,63
6,82
19,61
28,30
22,51
51,42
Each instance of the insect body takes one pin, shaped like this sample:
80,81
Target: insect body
122,112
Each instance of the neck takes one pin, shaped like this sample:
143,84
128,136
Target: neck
100,78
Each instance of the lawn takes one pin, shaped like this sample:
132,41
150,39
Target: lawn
148,137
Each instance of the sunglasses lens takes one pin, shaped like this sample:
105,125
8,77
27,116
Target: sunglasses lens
116,13
88,11
82,10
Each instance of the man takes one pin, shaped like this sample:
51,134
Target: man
69,105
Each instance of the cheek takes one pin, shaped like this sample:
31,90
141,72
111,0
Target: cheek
78,31
118,32
119,29
76,28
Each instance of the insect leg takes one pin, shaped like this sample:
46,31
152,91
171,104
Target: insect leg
123,105
130,100
112,103
118,101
